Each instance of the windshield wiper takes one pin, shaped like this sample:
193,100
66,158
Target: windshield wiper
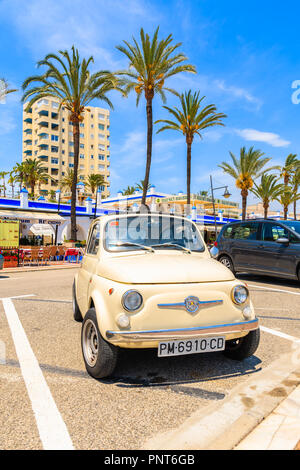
173,244
138,245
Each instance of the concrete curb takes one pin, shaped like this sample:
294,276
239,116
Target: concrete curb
224,426
27,270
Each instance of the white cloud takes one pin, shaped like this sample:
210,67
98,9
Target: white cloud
257,136
237,92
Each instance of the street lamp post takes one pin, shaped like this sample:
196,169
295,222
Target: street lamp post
226,195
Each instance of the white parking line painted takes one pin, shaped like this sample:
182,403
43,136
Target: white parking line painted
52,429
279,333
18,296
10,278
276,290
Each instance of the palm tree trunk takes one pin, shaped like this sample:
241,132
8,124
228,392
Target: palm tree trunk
149,148
74,182
285,212
295,210
244,203
266,208
188,173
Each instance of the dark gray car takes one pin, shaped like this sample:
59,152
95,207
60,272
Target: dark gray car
261,246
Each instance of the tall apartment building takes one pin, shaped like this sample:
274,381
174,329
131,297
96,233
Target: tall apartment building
48,136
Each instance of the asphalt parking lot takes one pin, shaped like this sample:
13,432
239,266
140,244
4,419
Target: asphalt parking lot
147,395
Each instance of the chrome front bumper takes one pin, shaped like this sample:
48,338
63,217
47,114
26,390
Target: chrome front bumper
185,333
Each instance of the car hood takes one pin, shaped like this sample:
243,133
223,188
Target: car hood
163,269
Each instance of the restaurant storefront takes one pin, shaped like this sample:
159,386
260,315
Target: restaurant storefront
36,228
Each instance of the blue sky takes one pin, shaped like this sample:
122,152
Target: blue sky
246,55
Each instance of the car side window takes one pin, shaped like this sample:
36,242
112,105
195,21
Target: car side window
94,240
228,232
246,231
271,232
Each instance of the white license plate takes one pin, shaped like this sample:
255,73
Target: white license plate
191,346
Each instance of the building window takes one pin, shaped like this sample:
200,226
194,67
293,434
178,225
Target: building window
81,124
81,146
101,136
92,167
92,157
71,165
71,144
101,147
54,161
101,167
101,116
101,127
101,157
81,167
81,135
71,154
92,126
54,149
54,105
82,156
54,137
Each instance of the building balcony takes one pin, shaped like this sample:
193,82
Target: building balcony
28,131
28,153
28,120
43,158
43,123
43,112
43,147
28,142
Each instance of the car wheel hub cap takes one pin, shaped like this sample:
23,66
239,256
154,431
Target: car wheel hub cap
90,343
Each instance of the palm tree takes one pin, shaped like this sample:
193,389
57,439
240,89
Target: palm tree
68,79
11,181
34,173
68,180
245,170
151,63
4,90
190,120
268,190
295,188
141,186
286,198
18,170
129,190
95,180
290,165
2,176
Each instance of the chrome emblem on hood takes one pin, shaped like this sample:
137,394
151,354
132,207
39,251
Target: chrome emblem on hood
192,304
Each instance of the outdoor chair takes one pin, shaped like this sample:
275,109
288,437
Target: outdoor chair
26,257
61,252
53,253
45,255
35,255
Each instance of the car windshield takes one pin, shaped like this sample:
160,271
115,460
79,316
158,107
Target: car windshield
293,224
156,232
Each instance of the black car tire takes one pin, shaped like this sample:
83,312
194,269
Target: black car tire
76,312
100,357
227,262
298,273
242,348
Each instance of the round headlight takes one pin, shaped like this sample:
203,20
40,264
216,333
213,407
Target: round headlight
132,300
240,294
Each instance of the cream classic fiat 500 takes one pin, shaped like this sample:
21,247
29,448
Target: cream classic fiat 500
148,281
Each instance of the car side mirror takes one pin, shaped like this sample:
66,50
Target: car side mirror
283,241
